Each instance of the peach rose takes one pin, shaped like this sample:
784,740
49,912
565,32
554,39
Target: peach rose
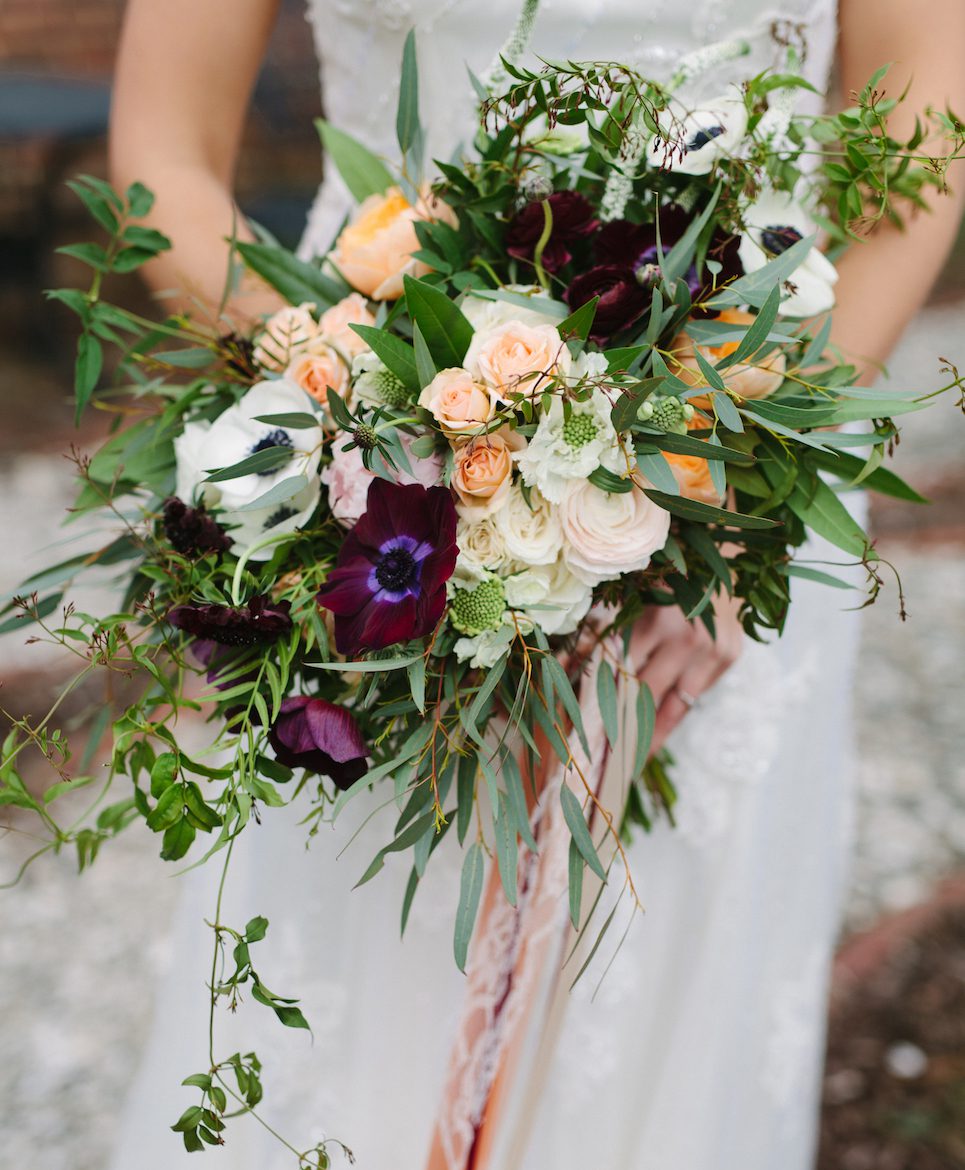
375,250
317,370
286,333
483,473
503,357
747,381
608,534
693,473
334,324
457,403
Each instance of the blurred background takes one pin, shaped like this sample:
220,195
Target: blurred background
77,957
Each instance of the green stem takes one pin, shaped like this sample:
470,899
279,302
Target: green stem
541,245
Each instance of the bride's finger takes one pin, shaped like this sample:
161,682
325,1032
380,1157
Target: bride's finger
682,697
663,668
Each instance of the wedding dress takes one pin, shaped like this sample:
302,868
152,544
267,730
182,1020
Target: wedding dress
701,1047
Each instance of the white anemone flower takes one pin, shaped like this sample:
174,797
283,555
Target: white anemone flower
570,445
689,142
204,447
772,224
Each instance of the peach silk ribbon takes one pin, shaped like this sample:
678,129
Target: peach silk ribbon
516,987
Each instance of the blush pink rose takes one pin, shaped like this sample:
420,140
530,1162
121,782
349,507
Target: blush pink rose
608,534
508,357
318,369
457,403
347,478
335,323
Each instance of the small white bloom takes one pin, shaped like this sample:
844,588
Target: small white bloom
485,649
204,447
530,530
550,596
772,224
570,445
690,142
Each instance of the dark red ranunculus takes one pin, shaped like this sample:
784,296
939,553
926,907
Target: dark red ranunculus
623,300
389,582
573,219
261,620
320,736
191,531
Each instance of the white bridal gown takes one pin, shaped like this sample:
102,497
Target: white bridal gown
702,1047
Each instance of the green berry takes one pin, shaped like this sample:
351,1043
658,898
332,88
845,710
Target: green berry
670,414
473,611
580,429
390,388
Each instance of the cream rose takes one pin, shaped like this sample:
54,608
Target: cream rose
508,357
457,403
747,381
483,473
317,370
484,314
607,534
531,531
481,544
286,333
335,324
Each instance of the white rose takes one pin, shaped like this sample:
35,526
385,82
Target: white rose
484,314
531,531
481,543
608,534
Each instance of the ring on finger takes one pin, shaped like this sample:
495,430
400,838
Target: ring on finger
686,697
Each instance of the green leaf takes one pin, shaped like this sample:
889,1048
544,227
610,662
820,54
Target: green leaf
689,445
646,718
470,891
177,840
168,810
819,507
575,867
163,773
755,288
706,513
677,260
87,370
396,354
295,420
407,126
97,205
507,847
609,481
657,471
580,323
93,255
446,331
423,358
139,200
362,172
726,411
573,815
285,490
296,280
809,574
256,929
369,666
756,334
268,459
606,695
405,840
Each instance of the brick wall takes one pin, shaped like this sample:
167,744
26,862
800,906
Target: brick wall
66,36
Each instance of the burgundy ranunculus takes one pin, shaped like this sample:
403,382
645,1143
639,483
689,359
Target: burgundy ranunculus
389,583
318,735
573,219
623,300
191,531
261,620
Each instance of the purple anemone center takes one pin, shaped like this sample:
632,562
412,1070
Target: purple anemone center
779,237
275,438
702,137
397,572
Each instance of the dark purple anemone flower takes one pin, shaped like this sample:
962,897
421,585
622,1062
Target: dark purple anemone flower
389,583
191,531
629,257
321,737
261,620
573,219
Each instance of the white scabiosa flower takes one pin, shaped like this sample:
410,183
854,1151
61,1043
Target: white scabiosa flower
484,650
570,444
530,528
690,142
772,224
550,596
204,447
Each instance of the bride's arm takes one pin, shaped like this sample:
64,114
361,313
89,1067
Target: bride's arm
184,77
883,282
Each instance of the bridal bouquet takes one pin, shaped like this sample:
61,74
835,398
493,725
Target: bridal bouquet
585,371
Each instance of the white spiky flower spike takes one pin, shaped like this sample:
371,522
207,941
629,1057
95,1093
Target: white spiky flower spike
776,121
516,44
706,58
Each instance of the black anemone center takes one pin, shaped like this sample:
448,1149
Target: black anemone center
275,438
396,571
702,137
777,239
285,512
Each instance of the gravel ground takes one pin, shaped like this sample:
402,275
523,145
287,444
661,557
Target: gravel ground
77,955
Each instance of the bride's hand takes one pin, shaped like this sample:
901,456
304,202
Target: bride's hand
679,660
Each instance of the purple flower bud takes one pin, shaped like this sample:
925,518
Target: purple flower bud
320,737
